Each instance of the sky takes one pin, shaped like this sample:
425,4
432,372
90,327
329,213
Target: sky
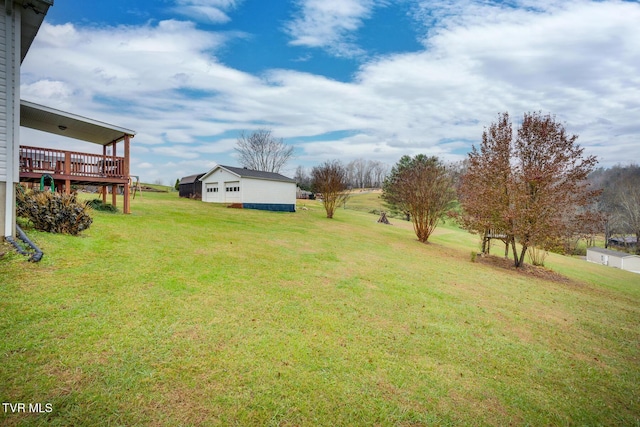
336,79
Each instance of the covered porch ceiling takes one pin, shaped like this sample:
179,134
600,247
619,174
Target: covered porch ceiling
70,125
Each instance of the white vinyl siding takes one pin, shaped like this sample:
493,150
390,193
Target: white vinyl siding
233,188
10,26
9,95
631,264
222,179
615,259
266,191
4,61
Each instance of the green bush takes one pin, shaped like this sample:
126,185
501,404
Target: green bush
99,205
53,212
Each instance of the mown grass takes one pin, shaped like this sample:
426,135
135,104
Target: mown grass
186,313
366,200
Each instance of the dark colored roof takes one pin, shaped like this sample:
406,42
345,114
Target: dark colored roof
250,173
626,239
191,178
611,253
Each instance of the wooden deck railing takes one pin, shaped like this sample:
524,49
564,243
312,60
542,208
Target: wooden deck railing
70,163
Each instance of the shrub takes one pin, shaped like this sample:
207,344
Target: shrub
53,212
99,205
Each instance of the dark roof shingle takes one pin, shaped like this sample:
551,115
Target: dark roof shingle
191,178
250,173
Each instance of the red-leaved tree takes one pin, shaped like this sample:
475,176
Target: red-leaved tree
526,188
422,187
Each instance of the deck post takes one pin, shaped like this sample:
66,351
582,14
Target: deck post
126,208
67,172
104,162
114,188
113,155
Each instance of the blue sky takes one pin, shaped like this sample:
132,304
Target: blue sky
345,79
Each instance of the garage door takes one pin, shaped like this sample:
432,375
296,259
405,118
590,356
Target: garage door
212,192
232,192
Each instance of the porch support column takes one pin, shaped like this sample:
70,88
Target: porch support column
67,172
104,165
114,162
126,208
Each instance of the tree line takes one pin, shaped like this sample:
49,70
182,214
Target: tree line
619,203
261,150
358,173
531,187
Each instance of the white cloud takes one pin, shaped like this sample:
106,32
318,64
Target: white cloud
175,152
47,89
579,60
209,11
216,147
329,24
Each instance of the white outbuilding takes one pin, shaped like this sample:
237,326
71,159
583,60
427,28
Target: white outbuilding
249,189
621,260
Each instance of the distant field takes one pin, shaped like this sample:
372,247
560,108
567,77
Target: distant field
186,313
366,200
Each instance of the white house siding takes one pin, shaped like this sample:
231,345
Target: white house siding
615,259
604,257
631,263
223,180
5,23
9,116
251,191
266,192
597,257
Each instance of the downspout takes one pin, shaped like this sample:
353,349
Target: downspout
37,253
8,5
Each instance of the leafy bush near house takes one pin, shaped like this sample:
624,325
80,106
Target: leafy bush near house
53,212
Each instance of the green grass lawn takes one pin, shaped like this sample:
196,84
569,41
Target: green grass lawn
186,313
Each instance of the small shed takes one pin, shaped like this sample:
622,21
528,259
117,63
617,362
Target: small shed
623,241
617,259
191,186
249,189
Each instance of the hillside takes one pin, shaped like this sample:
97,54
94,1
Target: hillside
186,313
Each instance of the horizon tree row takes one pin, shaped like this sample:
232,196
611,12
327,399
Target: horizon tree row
619,203
359,173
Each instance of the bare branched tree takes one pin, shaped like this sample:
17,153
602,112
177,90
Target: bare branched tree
363,173
302,178
619,203
261,151
627,202
378,172
330,179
